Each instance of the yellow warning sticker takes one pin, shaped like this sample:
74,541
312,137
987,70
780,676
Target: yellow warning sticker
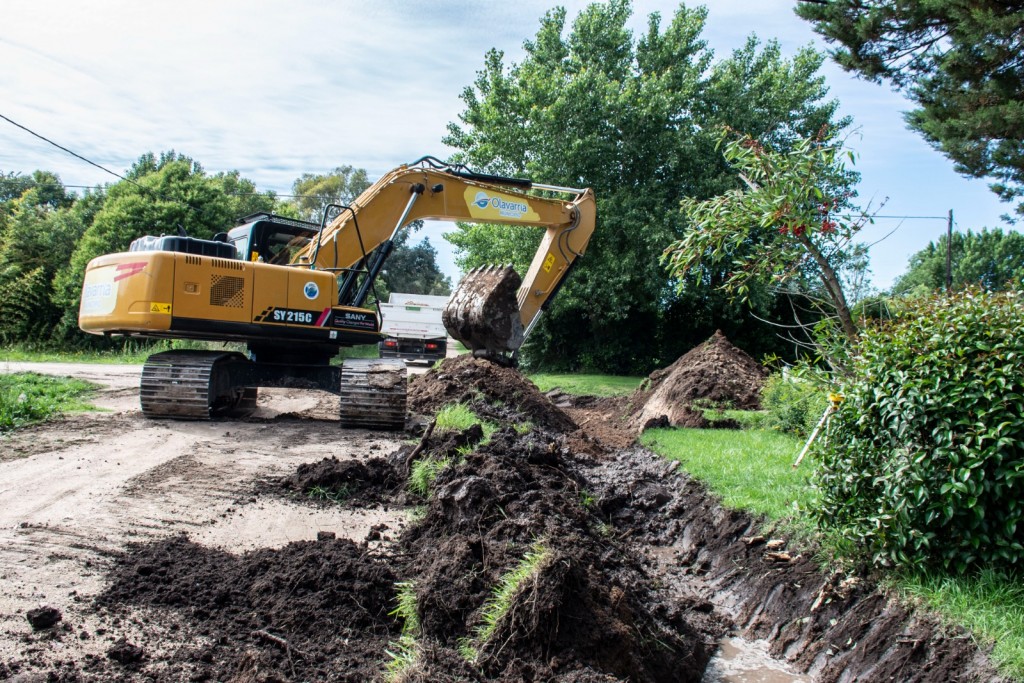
154,307
548,262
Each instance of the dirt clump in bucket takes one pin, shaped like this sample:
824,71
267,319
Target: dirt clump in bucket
714,374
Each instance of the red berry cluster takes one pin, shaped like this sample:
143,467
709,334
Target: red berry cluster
795,230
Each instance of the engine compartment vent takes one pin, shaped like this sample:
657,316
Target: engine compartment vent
227,290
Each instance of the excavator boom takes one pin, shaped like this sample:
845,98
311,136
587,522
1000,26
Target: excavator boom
492,310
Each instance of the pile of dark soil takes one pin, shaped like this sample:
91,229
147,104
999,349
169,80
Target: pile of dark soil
312,610
331,481
715,374
495,393
590,613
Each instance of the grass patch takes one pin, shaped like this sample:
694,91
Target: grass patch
403,654
135,353
336,495
27,397
458,417
423,474
587,385
750,469
747,419
500,602
990,604
455,417
131,354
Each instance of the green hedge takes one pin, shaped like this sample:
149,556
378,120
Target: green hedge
924,463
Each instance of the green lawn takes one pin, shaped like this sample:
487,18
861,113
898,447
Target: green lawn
136,354
133,354
27,397
587,385
750,469
987,603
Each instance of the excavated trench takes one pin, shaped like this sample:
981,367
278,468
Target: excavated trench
639,574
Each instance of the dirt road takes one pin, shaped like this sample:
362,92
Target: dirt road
98,480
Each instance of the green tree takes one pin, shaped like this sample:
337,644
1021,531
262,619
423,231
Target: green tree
635,119
414,269
243,197
990,259
13,185
786,226
315,191
958,60
36,240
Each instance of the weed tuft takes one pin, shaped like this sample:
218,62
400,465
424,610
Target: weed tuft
337,495
423,474
502,598
404,653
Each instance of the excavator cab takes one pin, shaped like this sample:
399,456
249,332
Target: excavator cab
267,238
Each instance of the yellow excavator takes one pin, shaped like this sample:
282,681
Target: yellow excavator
295,292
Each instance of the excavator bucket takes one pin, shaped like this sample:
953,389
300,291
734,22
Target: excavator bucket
483,313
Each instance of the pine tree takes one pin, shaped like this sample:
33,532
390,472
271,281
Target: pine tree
960,61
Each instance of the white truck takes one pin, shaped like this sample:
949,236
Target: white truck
412,323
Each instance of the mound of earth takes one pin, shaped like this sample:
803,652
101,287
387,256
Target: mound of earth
715,374
491,391
312,610
357,482
589,612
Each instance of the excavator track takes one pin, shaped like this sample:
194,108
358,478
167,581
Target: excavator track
193,385
373,394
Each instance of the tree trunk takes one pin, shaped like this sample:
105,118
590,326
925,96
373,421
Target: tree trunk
833,287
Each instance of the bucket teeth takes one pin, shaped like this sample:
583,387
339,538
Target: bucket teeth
483,312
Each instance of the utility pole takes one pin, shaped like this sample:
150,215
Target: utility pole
949,252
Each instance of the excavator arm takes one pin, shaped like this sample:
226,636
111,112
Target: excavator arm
492,310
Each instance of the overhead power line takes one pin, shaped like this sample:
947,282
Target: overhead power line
65,149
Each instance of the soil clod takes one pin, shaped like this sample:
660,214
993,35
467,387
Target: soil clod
43,617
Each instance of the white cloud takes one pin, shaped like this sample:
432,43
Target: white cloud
275,89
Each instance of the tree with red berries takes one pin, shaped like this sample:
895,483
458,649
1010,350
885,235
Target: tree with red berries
789,225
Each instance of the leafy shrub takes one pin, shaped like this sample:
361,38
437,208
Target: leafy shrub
794,405
925,459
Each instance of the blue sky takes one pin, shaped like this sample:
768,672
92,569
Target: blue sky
276,89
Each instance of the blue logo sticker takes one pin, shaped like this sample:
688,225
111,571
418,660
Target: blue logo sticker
311,290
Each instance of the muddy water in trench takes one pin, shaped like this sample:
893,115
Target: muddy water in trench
745,661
